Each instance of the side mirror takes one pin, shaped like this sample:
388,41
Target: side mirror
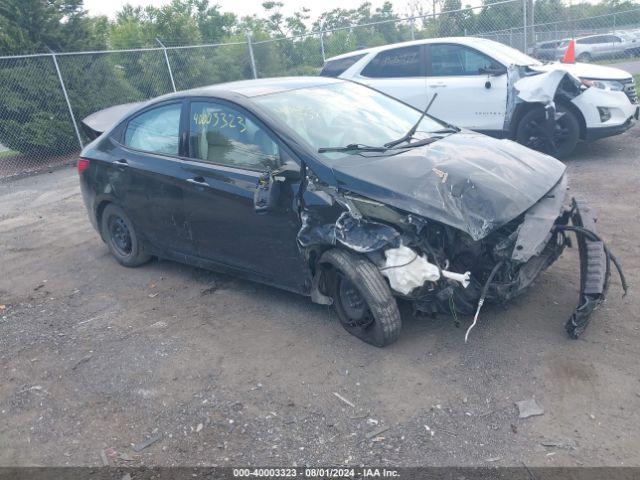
289,171
270,184
494,70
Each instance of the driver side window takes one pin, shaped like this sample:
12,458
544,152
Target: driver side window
224,135
457,60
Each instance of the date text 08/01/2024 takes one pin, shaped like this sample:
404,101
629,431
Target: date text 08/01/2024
315,472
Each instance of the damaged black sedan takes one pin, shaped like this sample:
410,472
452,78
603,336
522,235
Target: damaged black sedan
339,192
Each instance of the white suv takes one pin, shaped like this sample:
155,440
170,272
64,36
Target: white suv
492,88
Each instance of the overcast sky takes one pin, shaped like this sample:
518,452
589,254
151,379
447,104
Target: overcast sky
243,7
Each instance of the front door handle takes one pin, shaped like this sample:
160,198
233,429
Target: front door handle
198,181
121,164
438,85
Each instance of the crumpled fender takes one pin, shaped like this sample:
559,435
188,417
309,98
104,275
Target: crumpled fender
540,88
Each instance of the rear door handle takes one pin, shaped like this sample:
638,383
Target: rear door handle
438,85
198,181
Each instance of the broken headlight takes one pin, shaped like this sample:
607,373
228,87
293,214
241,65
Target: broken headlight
611,85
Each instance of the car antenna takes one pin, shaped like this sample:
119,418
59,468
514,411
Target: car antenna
410,133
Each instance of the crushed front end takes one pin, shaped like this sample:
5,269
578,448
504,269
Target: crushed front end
442,269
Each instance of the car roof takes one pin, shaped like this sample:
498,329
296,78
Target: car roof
256,87
473,42
597,35
549,42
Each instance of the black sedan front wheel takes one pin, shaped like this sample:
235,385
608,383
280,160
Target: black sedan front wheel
121,238
362,298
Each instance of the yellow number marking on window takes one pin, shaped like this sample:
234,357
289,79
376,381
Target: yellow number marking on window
203,118
242,123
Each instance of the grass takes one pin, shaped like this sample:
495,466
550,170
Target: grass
637,79
614,60
8,153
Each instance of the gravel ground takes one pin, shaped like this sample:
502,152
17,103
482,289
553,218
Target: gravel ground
97,358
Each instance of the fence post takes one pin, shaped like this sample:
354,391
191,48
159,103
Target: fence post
66,97
524,20
251,57
166,59
532,22
322,41
413,33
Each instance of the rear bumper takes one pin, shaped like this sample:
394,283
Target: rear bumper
89,198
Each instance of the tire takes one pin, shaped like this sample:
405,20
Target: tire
566,137
584,57
121,238
362,298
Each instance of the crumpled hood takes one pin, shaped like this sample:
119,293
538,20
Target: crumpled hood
466,180
585,70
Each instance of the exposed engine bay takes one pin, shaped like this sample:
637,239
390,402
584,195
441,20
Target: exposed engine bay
444,270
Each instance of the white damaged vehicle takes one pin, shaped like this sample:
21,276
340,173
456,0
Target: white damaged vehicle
489,87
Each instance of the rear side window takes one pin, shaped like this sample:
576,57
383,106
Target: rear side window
592,40
156,130
399,62
335,68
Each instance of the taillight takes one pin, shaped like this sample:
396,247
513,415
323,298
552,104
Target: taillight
83,164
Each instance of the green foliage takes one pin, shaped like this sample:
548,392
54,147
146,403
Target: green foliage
34,118
33,115
32,26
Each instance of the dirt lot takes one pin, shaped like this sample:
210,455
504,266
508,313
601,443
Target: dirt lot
96,357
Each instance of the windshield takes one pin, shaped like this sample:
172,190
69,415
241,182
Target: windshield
339,114
516,57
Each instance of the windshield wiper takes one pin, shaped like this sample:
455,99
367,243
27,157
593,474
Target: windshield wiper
419,143
352,147
413,129
447,130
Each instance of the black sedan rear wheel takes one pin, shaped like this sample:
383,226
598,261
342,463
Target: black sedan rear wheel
531,132
362,298
120,236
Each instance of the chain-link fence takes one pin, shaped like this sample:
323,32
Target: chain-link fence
44,97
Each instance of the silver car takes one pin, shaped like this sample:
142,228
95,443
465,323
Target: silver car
595,47
549,50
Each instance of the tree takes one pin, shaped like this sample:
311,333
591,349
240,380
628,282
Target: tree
34,118
35,26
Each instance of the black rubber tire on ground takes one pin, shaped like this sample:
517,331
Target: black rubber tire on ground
353,275
584,57
566,137
120,236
